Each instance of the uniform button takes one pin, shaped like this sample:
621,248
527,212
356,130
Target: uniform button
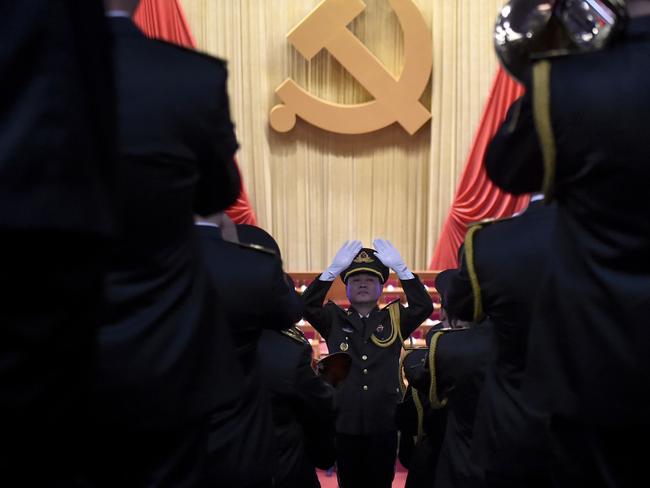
365,387
364,357
365,371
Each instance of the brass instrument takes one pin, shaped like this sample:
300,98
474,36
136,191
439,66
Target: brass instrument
527,30
334,367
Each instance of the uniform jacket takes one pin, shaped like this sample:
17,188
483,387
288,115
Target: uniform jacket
160,351
460,357
303,409
57,123
419,450
367,399
591,335
254,296
510,257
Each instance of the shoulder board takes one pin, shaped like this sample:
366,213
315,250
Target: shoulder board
489,221
189,50
254,247
296,334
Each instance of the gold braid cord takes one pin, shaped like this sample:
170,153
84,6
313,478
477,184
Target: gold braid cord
542,116
433,392
471,269
402,378
395,332
416,397
420,410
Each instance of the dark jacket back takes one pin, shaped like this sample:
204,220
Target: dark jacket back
57,122
599,274
161,350
251,286
509,258
303,410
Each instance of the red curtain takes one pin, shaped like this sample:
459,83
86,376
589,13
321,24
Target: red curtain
164,19
476,197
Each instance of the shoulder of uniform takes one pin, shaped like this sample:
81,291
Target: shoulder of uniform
491,221
397,300
191,52
253,247
296,334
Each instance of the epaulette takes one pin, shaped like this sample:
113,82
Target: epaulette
490,220
254,247
296,334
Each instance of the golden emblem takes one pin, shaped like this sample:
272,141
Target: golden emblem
363,258
395,99
344,346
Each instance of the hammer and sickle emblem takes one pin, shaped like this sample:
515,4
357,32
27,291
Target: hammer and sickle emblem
395,99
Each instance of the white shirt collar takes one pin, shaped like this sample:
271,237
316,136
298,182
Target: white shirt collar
118,13
536,197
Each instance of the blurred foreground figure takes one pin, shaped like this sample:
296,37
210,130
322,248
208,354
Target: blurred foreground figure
165,357
56,213
580,133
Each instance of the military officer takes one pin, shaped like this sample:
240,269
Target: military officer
367,399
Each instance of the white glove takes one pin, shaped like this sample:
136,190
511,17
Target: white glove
342,260
390,256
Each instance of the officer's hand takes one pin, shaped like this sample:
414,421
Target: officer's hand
342,260
390,256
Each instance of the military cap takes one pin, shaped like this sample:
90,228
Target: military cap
366,262
443,283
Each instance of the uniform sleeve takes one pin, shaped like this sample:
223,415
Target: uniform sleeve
419,309
220,182
315,400
316,314
513,159
285,306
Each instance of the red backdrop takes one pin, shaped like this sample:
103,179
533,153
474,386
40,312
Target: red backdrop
476,197
164,19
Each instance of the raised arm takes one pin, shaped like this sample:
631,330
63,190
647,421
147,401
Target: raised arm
314,296
420,305
513,159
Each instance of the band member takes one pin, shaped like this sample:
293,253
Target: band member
367,399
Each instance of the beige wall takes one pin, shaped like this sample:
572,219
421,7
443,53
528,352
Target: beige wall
313,189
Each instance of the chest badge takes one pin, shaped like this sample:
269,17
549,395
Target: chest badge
344,346
379,329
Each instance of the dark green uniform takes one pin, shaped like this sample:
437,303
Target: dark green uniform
368,397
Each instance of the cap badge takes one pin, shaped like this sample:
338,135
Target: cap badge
363,258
